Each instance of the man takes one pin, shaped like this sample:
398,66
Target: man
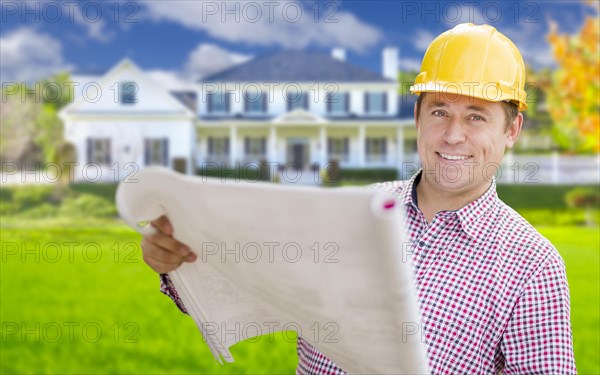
492,291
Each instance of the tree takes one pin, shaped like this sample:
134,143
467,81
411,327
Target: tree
574,95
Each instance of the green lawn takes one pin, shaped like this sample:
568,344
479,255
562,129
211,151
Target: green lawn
103,286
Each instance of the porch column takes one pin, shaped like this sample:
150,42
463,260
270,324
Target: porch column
400,150
272,147
361,146
232,144
323,149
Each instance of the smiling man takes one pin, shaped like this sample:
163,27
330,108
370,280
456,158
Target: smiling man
492,291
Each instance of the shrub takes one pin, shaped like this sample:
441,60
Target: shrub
26,197
44,210
583,198
87,205
248,173
371,174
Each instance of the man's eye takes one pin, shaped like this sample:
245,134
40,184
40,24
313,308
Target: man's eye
477,118
438,113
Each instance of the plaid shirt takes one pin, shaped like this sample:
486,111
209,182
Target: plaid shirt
492,291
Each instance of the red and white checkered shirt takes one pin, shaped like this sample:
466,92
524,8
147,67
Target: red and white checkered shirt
492,291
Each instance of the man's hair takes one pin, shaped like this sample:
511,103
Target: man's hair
511,110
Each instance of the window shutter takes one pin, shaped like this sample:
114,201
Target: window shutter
146,151
246,103
226,145
210,146
107,152
305,96
264,103
289,101
165,150
346,146
246,145
90,149
367,146
328,98
383,146
347,102
384,105
263,146
366,102
329,145
227,102
209,102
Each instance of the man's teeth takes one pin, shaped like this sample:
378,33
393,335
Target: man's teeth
454,157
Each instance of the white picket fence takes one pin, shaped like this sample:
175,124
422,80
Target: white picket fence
550,169
534,169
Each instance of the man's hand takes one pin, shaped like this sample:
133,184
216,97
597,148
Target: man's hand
161,251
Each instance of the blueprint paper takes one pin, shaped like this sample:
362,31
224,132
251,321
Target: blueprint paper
325,262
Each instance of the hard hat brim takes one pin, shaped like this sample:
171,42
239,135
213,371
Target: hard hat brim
492,91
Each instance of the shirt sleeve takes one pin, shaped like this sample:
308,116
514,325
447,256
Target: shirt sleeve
538,339
167,287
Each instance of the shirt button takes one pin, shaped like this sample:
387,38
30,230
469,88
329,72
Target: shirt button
421,243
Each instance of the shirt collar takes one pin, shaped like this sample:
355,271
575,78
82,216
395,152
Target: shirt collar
469,215
408,194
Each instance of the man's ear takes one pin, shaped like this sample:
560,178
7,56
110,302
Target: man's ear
514,130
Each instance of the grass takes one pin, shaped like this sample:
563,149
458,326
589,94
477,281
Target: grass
142,332
103,285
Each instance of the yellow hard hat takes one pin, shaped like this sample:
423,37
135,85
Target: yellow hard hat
476,61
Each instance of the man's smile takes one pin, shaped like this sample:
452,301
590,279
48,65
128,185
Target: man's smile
454,157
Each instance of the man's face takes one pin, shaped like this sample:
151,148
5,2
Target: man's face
461,141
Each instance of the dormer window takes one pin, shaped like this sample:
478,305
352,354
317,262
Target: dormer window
297,100
218,102
255,102
338,103
376,102
128,90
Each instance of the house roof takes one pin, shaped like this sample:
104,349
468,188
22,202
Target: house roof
187,98
296,66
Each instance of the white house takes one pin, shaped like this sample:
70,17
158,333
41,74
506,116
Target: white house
297,107
303,108
123,121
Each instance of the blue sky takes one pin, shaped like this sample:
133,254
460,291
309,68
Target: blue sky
179,41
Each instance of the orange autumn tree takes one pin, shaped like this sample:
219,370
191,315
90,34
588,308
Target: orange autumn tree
574,95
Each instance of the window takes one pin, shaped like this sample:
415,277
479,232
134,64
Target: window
156,151
128,92
338,149
338,102
218,147
255,102
376,149
376,102
218,102
98,150
297,100
255,147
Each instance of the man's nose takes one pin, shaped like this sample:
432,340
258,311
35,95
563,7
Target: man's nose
455,132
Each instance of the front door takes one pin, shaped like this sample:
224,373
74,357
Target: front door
298,152
298,155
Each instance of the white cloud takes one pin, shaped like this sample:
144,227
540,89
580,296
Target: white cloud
422,39
27,55
207,59
204,60
289,24
408,64
96,28
527,39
